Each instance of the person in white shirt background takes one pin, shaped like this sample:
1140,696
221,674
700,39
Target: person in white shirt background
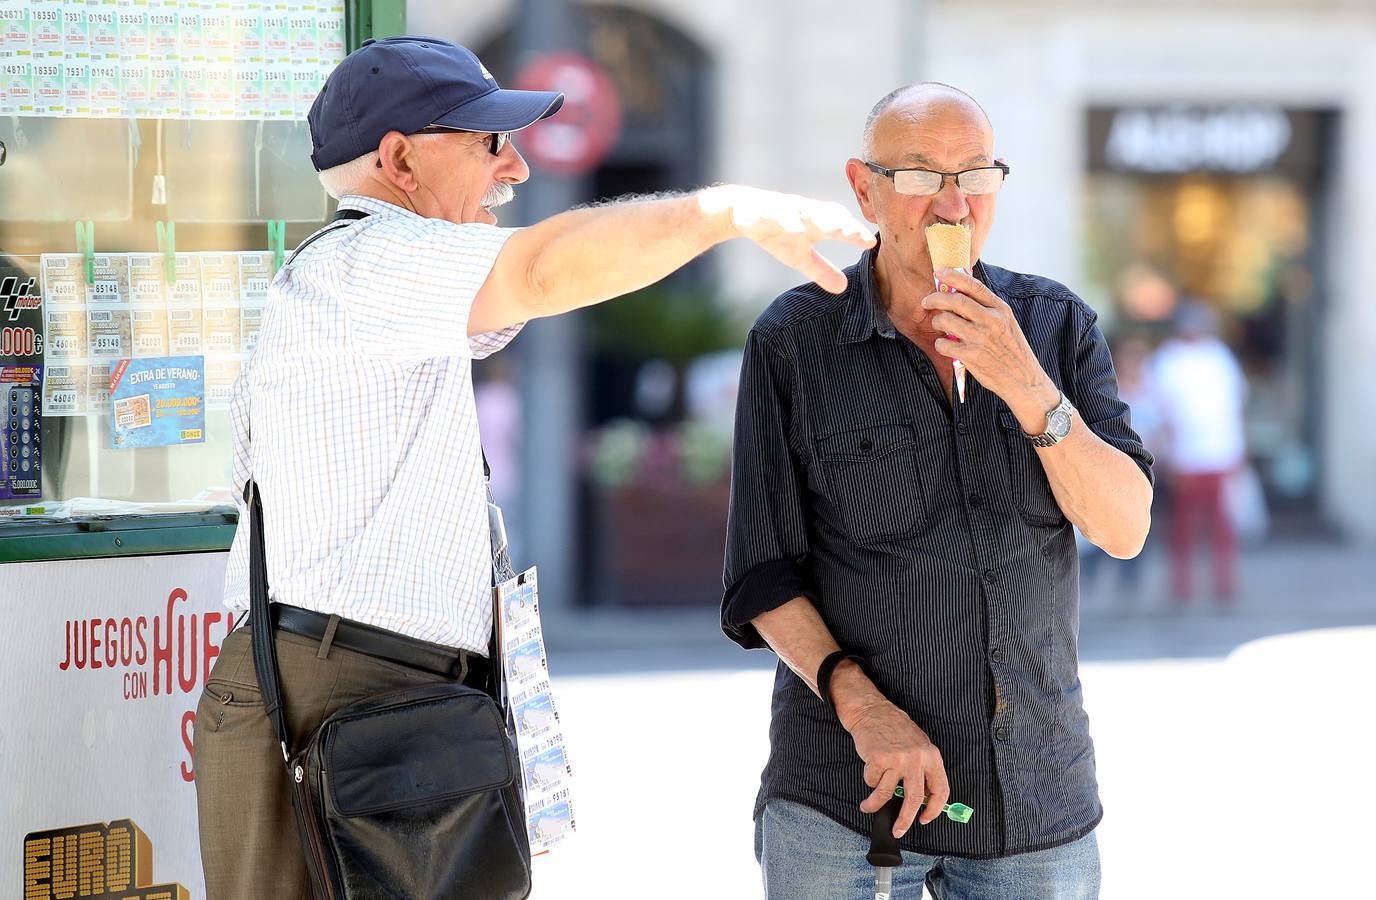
1200,391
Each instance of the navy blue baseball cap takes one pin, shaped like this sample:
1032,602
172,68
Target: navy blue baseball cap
405,84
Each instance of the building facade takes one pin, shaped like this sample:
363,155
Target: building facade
1219,149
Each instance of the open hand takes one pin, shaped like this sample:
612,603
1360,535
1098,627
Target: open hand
789,227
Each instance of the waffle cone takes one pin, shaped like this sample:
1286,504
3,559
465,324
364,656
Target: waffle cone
949,246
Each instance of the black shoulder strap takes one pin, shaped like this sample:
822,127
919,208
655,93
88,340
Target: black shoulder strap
260,623
341,219
260,616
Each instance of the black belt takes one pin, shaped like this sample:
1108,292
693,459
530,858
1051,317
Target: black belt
470,668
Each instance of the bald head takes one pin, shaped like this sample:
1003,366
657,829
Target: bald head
937,128
924,100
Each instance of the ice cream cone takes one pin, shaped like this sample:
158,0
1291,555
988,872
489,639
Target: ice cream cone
949,248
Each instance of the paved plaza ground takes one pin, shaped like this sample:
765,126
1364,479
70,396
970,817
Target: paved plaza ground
1235,748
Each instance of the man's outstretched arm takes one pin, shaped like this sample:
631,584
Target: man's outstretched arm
589,255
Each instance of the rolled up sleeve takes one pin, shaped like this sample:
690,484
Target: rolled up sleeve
766,533
1096,397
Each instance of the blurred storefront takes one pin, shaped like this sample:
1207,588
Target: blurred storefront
1160,150
1171,149
650,428
1223,205
636,121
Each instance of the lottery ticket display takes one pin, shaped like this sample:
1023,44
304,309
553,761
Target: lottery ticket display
167,59
131,310
545,768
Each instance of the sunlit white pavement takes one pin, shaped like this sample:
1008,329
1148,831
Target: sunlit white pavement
1244,777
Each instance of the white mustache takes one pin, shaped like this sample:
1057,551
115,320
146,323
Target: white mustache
499,194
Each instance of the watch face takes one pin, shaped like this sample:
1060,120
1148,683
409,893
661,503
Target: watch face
1060,423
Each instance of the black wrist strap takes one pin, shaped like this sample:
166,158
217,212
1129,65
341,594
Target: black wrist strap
828,668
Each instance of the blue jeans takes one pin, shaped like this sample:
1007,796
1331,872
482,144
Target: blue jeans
806,856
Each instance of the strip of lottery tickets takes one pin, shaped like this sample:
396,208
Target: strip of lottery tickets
545,769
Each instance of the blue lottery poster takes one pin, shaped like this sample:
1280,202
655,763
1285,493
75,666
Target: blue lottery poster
157,402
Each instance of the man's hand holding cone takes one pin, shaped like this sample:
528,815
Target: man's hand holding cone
983,331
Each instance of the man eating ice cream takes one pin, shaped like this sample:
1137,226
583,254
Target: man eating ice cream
909,554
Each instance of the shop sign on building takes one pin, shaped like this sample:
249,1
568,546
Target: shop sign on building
1239,139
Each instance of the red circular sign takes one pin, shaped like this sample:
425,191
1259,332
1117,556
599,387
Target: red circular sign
584,130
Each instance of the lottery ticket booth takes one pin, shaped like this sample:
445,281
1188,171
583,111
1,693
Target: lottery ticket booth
156,169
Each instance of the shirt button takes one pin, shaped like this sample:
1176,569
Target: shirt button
1001,733
990,576
997,654
962,427
976,501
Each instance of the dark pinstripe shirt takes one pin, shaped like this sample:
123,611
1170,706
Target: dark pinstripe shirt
930,542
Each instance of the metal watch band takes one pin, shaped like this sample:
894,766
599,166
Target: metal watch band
1049,438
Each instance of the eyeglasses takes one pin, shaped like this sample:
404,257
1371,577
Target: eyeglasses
496,141
925,182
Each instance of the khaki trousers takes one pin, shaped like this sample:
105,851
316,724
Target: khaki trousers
250,849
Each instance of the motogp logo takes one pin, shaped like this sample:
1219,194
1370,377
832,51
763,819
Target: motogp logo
15,298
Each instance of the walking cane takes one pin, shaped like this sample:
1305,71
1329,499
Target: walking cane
884,854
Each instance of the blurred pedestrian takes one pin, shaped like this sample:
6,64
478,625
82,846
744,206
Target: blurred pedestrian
1201,390
356,419
909,555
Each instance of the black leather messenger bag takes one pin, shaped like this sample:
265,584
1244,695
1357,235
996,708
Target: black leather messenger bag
415,793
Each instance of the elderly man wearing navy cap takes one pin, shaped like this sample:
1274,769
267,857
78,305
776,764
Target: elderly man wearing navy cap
356,419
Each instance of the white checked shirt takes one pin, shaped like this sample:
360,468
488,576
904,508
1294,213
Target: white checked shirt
356,418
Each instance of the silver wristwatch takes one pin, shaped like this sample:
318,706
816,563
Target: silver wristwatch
1057,425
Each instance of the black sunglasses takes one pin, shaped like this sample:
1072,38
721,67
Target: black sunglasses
496,141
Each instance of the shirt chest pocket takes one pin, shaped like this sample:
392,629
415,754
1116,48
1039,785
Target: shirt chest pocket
871,473
1031,491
